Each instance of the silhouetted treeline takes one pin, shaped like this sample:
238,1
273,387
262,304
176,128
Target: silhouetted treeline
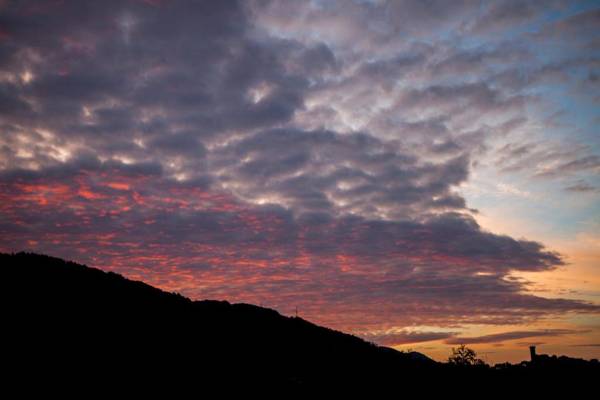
66,321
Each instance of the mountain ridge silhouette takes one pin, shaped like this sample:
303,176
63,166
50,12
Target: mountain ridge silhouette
76,305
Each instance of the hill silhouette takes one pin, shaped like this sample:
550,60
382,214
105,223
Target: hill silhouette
87,318
65,320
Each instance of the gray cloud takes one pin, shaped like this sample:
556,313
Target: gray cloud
548,160
352,173
505,336
508,15
156,82
581,187
579,29
407,337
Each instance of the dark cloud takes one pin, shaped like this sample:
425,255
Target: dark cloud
481,60
579,164
505,336
407,337
157,77
509,14
581,187
526,344
548,160
579,29
351,173
478,97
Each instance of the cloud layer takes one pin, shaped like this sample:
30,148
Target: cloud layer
225,150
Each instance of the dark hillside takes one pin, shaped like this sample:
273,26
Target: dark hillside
66,322
89,318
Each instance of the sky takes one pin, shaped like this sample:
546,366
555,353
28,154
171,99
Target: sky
420,174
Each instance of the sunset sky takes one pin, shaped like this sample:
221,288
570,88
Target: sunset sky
417,173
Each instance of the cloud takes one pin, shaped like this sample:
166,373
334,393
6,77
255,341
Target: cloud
322,171
580,28
347,30
151,88
347,271
548,160
504,15
506,336
591,162
407,337
282,153
581,187
526,344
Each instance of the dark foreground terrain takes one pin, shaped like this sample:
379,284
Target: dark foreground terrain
66,322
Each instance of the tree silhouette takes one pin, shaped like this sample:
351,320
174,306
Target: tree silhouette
464,356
